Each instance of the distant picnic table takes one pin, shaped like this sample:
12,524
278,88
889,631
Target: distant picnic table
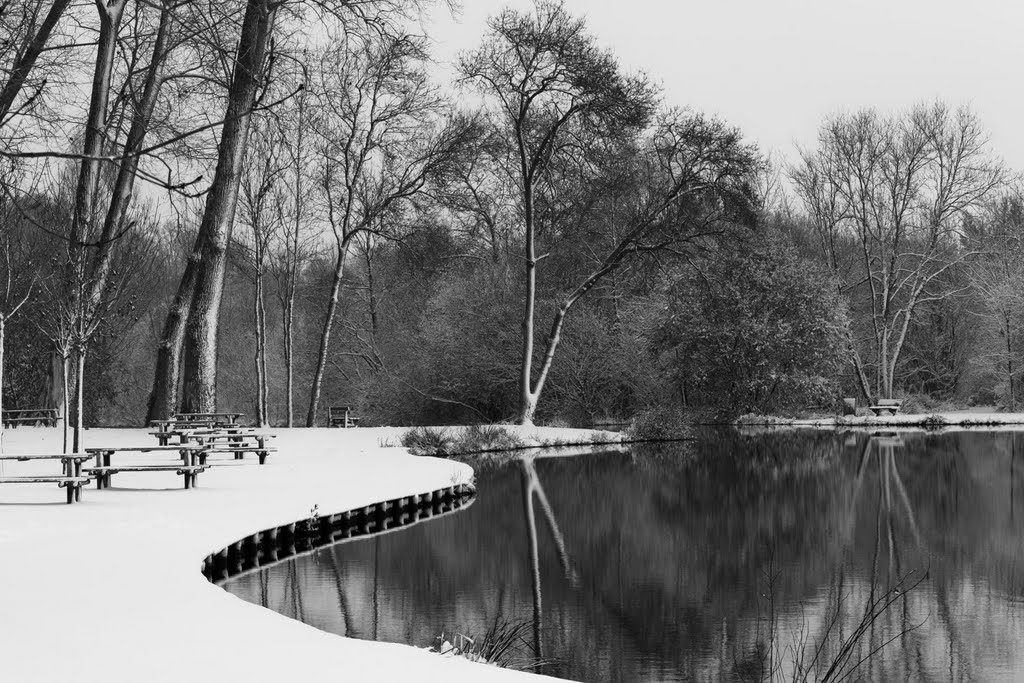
47,417
216,418
234,439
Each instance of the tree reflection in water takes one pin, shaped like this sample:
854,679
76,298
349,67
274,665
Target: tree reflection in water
732,558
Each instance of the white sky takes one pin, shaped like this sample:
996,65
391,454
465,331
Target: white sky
775,68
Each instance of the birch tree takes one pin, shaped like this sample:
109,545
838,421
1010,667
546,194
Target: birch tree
901,188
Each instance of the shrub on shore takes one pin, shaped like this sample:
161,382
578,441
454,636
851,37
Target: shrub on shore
446,441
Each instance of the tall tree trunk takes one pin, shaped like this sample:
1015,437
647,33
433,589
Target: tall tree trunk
325,334
65,399
79,399
95,127
121,194
293,265
163,400
527,397
289,362
260,313
199,387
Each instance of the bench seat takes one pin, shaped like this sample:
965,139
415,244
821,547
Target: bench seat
73,484
239,450
103,472
887,406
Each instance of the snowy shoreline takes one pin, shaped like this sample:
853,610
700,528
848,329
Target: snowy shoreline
933,421
111,589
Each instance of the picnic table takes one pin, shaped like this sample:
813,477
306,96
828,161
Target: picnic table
187,468
167,429
236,440
72,478
217,418
12,417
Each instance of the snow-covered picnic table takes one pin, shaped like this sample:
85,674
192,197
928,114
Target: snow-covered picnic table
71,479
188,468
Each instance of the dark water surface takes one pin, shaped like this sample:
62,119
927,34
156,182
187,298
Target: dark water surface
732,558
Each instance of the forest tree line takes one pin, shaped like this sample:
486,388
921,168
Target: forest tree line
274,207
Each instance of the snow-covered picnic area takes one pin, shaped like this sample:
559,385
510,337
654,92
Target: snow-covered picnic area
110,589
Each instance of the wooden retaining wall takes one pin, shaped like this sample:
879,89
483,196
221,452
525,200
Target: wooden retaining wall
276,544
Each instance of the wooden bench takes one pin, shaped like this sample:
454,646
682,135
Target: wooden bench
47,417
887,406
187,468
341,416
72,479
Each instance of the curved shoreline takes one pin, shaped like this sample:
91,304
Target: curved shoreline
266,548
108,590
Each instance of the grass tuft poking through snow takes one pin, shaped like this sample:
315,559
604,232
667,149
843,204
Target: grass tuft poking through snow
502,645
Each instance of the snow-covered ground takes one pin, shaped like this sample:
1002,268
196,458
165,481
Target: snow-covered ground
110,589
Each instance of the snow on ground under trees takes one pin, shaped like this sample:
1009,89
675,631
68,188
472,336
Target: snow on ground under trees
110,589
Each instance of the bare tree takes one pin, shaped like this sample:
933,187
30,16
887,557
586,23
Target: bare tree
261,181
570,118
902,188
381,139
296,206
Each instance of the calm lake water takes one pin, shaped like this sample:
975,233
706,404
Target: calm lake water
732,558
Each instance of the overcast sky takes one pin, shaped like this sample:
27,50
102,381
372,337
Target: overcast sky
775,68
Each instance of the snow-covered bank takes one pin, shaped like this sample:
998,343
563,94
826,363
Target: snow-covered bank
110,589
959,419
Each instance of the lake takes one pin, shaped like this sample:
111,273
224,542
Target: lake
734,557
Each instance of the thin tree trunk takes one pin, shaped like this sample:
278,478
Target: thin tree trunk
199,388
257,355
79,398
1009,365
261,348
65,362
325,334
293,266
372,301
289,370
